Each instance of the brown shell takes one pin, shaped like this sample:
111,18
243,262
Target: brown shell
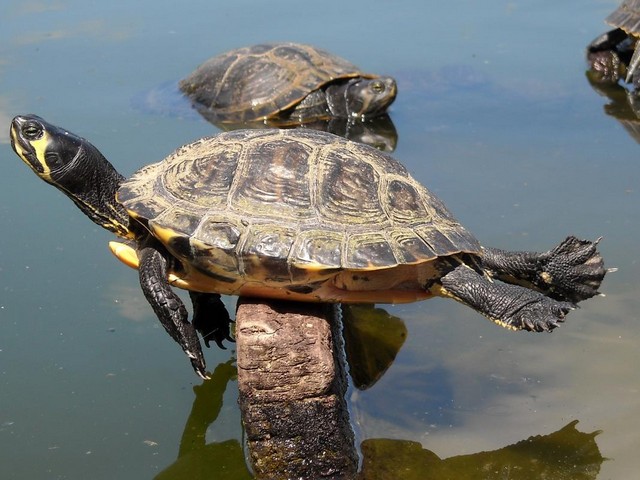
258,82
626,17
290,206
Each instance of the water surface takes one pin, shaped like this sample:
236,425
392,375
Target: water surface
494,114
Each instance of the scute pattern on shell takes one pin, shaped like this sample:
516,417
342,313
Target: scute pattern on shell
626,17
260,81
266,202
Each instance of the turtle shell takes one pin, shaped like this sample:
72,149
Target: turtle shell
290,208
626,17
261,81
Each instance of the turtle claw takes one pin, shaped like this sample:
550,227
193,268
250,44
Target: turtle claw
572,271
543,315
199,368
210,318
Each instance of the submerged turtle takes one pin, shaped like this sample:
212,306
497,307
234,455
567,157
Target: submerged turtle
299,215
618,50
279,83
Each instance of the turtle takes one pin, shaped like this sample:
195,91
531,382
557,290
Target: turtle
284,83
300,215
617,51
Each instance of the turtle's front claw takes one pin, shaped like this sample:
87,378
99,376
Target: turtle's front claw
199,367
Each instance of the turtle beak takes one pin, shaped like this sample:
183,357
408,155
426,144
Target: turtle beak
13,132
18,143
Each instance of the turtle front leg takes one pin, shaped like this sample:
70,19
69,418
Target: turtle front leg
572,271
210,318
510,306
167,305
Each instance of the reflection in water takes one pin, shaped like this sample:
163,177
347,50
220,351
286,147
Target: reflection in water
372,340
167,100
624,105
566,453
197,459
378,132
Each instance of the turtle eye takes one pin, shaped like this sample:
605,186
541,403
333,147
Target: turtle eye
32,131
377,86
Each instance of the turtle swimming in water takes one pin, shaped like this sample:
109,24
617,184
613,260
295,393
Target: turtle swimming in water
285,83
298,215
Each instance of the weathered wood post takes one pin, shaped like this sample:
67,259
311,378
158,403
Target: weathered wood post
292,382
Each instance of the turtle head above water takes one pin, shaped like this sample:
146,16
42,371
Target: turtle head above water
74,166
51,152
369,97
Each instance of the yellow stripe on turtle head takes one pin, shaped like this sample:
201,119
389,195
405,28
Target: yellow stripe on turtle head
39,149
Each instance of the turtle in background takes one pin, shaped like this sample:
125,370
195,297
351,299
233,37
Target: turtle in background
285,83
615,55
297,215
166,99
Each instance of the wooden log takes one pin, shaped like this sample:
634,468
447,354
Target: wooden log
292,382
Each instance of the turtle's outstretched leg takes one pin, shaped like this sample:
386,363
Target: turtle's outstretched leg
210,318
167,305
572,271
512,306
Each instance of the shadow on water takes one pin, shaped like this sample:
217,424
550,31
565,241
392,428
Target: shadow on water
565,453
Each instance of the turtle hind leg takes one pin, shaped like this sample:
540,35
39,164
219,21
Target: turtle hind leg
511,306
572,271
211,318
167,305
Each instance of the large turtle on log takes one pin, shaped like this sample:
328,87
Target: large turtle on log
297,215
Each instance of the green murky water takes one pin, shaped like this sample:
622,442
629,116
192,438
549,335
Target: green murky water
494,114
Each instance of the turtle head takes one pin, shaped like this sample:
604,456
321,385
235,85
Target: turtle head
51,152
74,166
367,97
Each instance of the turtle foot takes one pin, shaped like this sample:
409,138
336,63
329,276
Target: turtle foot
573,271
211,318
543,314
511,306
